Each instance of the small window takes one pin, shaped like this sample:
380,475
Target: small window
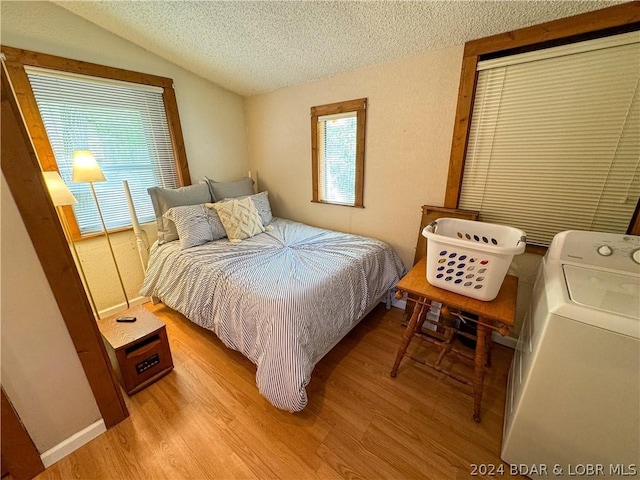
337,152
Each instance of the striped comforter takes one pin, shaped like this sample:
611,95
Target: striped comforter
282,298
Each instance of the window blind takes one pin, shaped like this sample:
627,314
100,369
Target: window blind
123,124
554,141
337,136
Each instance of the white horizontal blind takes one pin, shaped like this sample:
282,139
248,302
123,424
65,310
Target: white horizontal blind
554,143
125,127
337,142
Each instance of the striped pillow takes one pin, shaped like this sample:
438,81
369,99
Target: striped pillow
239,217
196,225
165,198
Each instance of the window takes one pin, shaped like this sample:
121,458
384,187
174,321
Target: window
618,19
554,142
123,125
337,152
126,119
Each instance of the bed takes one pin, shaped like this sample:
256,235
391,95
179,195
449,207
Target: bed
283,298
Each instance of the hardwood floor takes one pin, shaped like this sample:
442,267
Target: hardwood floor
206,419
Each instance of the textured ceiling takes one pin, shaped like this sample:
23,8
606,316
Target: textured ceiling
251,47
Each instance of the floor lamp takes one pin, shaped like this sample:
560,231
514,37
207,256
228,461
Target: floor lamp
61,196
87,170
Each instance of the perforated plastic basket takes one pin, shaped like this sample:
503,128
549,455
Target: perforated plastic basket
471,258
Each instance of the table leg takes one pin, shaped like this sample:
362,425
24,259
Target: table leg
408,335
489,347
479,363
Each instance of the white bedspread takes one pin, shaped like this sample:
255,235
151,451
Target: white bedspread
283,298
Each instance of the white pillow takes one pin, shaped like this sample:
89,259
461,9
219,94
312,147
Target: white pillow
239,217
261,201
196,225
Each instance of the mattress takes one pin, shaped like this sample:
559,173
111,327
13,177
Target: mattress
282,298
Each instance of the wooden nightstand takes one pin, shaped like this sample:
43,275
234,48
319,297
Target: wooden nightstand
139,351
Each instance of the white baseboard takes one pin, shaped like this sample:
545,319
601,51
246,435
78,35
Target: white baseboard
506,341
399,303
107,312
73,443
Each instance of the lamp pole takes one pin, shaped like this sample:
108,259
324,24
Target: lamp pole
106,234
87,170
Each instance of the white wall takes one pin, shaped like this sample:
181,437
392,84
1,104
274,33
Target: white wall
41,371
213,120
410,115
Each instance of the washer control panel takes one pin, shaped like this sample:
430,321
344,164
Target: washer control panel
608,251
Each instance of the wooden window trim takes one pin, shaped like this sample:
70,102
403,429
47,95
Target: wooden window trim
23,175
17,59
359,106
616,19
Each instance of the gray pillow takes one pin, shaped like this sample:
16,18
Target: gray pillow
196,224
165,198
220,190
261,201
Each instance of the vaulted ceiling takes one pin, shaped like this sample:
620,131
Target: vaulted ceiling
251,47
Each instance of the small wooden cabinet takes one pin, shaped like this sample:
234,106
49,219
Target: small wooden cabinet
139,351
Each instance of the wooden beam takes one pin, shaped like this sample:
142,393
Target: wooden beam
175,130
563,28
466,95
24,177
37,59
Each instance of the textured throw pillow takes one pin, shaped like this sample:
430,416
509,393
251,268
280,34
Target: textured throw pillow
220,190
261,201
239,217
165,198
196,225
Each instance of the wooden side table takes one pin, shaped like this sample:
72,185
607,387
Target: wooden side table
498,314
139,351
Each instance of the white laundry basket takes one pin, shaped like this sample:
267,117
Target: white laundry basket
471,258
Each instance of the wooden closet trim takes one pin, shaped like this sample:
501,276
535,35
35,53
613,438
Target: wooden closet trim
17,59
619,18
24,177
18,451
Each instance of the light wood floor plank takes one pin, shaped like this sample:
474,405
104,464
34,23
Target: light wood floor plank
206,418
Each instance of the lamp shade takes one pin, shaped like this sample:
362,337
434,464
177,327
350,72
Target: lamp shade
58,190
86,168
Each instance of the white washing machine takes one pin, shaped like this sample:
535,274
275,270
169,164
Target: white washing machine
573,398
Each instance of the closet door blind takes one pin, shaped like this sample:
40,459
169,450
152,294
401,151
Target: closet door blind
123,124
554,142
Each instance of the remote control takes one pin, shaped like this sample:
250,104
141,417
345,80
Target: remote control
126,319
